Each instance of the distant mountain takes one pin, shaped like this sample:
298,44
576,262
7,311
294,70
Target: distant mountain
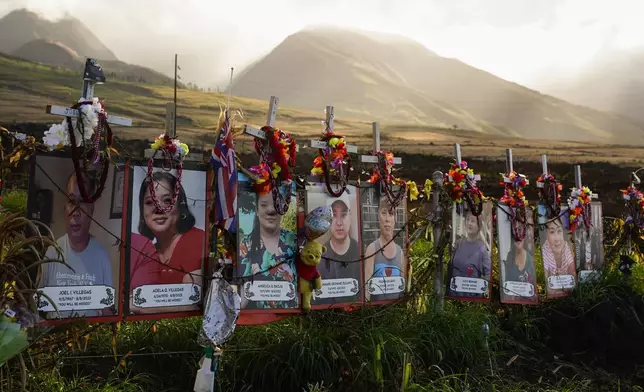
391,78
22,26
613,82
57,53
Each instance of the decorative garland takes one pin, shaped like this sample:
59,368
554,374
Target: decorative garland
93,123
460,184
513,196
382,173
330,161
579,207
173,151
635,204
550,193
277,154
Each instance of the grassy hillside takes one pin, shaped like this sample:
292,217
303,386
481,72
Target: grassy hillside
26,88
404,82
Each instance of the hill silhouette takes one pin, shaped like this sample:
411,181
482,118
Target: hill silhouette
66,43
392,78
22,26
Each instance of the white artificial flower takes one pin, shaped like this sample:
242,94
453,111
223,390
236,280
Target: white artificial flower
56,136
20,136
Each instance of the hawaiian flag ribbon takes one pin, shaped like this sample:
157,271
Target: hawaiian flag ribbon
225,169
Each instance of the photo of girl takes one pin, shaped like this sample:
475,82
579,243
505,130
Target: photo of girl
167,248
558,259
470,267
267,250
384,255
517,268
589,247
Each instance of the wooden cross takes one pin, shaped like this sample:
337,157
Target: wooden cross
376,147
93,75
170,130
270,121
329,127
459,159
578,182
509,166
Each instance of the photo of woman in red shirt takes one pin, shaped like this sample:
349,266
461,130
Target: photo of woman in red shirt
168,249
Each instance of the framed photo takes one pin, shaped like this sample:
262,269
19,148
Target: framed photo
384,239
85,232
469,273
168,248
267,249
118,191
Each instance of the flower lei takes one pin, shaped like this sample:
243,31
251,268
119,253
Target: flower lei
172,150
86,133
330,161
382,173
635,204
550,193
460,184
277,154
579,207
515,199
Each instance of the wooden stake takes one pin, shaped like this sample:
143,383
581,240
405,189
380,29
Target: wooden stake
439,273
509,167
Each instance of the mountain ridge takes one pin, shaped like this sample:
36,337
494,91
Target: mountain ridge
367,78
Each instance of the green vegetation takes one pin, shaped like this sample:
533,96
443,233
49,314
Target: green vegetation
591,341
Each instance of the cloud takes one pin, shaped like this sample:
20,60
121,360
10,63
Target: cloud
514,39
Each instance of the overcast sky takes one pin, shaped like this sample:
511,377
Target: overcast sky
526,41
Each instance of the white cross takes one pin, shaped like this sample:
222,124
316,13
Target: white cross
459,159
169,130
509,166
270,120
578,182
329,126
376,147
93,75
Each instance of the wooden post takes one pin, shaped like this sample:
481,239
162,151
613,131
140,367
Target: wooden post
457,153
509,167
439,273
170,117
577,176
376,136
544,164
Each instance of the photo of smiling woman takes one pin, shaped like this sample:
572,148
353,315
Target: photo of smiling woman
517,264
267,250
385,256
556,251
167,248
470,267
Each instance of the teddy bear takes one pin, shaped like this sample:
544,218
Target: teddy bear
307,271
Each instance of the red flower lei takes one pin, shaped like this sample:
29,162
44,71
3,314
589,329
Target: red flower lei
382,173
550,193
278,161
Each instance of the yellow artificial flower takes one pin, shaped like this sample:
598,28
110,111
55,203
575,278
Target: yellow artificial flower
157,144
413,190
276,170
184,147
316,171
428,188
